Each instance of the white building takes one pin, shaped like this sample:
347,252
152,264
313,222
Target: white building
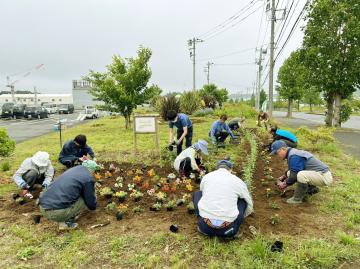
29,99
82,96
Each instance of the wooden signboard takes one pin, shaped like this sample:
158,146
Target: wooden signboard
146,124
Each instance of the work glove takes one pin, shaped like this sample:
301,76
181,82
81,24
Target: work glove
177,142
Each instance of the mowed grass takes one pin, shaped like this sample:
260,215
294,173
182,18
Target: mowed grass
28,246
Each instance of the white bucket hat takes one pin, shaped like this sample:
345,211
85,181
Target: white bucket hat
201,145
41,158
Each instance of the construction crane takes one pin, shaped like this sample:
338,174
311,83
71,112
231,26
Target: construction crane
23,74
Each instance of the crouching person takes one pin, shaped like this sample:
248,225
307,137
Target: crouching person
222,202
74,152
34,173
69,194
304,169
190,159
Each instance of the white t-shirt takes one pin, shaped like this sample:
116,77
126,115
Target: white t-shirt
189,152
220,193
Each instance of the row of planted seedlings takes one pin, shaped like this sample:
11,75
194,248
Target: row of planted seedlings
251,160
134,188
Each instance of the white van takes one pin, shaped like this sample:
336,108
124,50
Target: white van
91,112
51,108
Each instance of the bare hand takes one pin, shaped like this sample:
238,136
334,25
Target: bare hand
282,186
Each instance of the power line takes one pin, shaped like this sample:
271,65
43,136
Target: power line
216,33
229,20
287,21
229,54
221,64
261,20
292,29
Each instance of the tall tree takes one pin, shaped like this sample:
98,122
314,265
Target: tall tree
332,51
311,96
263,96
291,78
124,85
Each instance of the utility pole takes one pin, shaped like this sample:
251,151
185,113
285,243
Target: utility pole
192,48
258,88
36,96
272,49
207,71
12,89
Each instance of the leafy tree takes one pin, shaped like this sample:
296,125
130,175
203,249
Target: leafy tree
263,96
311,96
332,51
210,93
291,77
124,85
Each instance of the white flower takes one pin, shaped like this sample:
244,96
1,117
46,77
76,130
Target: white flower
171,176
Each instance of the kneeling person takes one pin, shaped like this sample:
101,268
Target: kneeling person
69,194
190,159
289,138
222,202
33,172
220,130
303,168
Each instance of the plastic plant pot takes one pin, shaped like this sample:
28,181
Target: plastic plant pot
179,202
174,228
277,246
169,208
121,199
119,215
137,199
36,219
191,210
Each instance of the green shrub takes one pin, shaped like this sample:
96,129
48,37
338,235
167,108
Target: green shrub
7,145
5,166
190,102
345,112
232,110
321,134
156,102
169,103
204,112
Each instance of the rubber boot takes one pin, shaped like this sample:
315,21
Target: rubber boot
312,190
299,194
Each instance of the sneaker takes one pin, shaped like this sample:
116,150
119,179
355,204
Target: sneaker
201,231
293,201
67,225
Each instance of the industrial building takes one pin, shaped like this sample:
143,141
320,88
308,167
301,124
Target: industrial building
82,96
30,99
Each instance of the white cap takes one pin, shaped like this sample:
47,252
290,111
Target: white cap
41,158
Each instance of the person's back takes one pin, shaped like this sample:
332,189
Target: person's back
67,189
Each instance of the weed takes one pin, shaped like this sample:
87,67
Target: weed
275,219
5,166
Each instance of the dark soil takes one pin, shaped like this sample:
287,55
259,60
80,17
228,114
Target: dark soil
303,220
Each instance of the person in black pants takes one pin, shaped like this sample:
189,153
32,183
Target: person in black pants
184,129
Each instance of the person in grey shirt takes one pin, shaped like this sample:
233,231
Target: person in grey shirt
34,172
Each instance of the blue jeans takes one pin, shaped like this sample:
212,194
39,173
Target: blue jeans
229,231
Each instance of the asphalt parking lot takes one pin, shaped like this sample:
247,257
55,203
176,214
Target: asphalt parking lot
24,129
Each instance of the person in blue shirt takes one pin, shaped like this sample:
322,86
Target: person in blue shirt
289,138
184,129
304,169
70,193
220,130
74,152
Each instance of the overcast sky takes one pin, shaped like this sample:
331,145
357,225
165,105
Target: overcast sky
70,37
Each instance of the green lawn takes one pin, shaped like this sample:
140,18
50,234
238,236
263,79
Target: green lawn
34,246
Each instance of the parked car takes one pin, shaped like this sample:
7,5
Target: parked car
91,112
7,110
51,108
35,112
66,109
18,111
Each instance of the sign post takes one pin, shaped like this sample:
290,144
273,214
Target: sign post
146,124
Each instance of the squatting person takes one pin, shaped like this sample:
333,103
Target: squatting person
220,130
288,137
70,193
75,151
222,202
304,169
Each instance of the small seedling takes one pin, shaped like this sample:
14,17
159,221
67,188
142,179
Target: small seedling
97,176
151,173
139,172
274,206
137,179
156,207
275,219
170,205
121,196
191,208
171,176
110,207
108,174
263,182
189,187
121,211
106,192
137,209
160,197
131,187
268,192
137,195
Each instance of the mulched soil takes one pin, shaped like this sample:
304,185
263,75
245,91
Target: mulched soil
304,220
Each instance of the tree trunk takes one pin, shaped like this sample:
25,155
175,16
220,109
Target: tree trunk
337,120
298,105
330,111
311,109
127,121
289,112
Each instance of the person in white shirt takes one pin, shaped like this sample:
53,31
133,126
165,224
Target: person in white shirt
189,160
222,202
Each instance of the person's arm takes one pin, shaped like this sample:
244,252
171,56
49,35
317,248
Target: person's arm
194,165
296,164
67,153
171,135
49,174
20,182
228,130
243,193
89,151
89,195
184,134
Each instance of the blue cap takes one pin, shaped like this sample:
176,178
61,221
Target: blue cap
201,145
224,163
278,144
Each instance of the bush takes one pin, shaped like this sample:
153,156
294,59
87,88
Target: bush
345,112
156,102
7,145
204,112
190,102
5,166
232,110
169,103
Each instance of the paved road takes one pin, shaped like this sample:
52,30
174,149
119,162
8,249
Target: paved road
348,136
23,129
